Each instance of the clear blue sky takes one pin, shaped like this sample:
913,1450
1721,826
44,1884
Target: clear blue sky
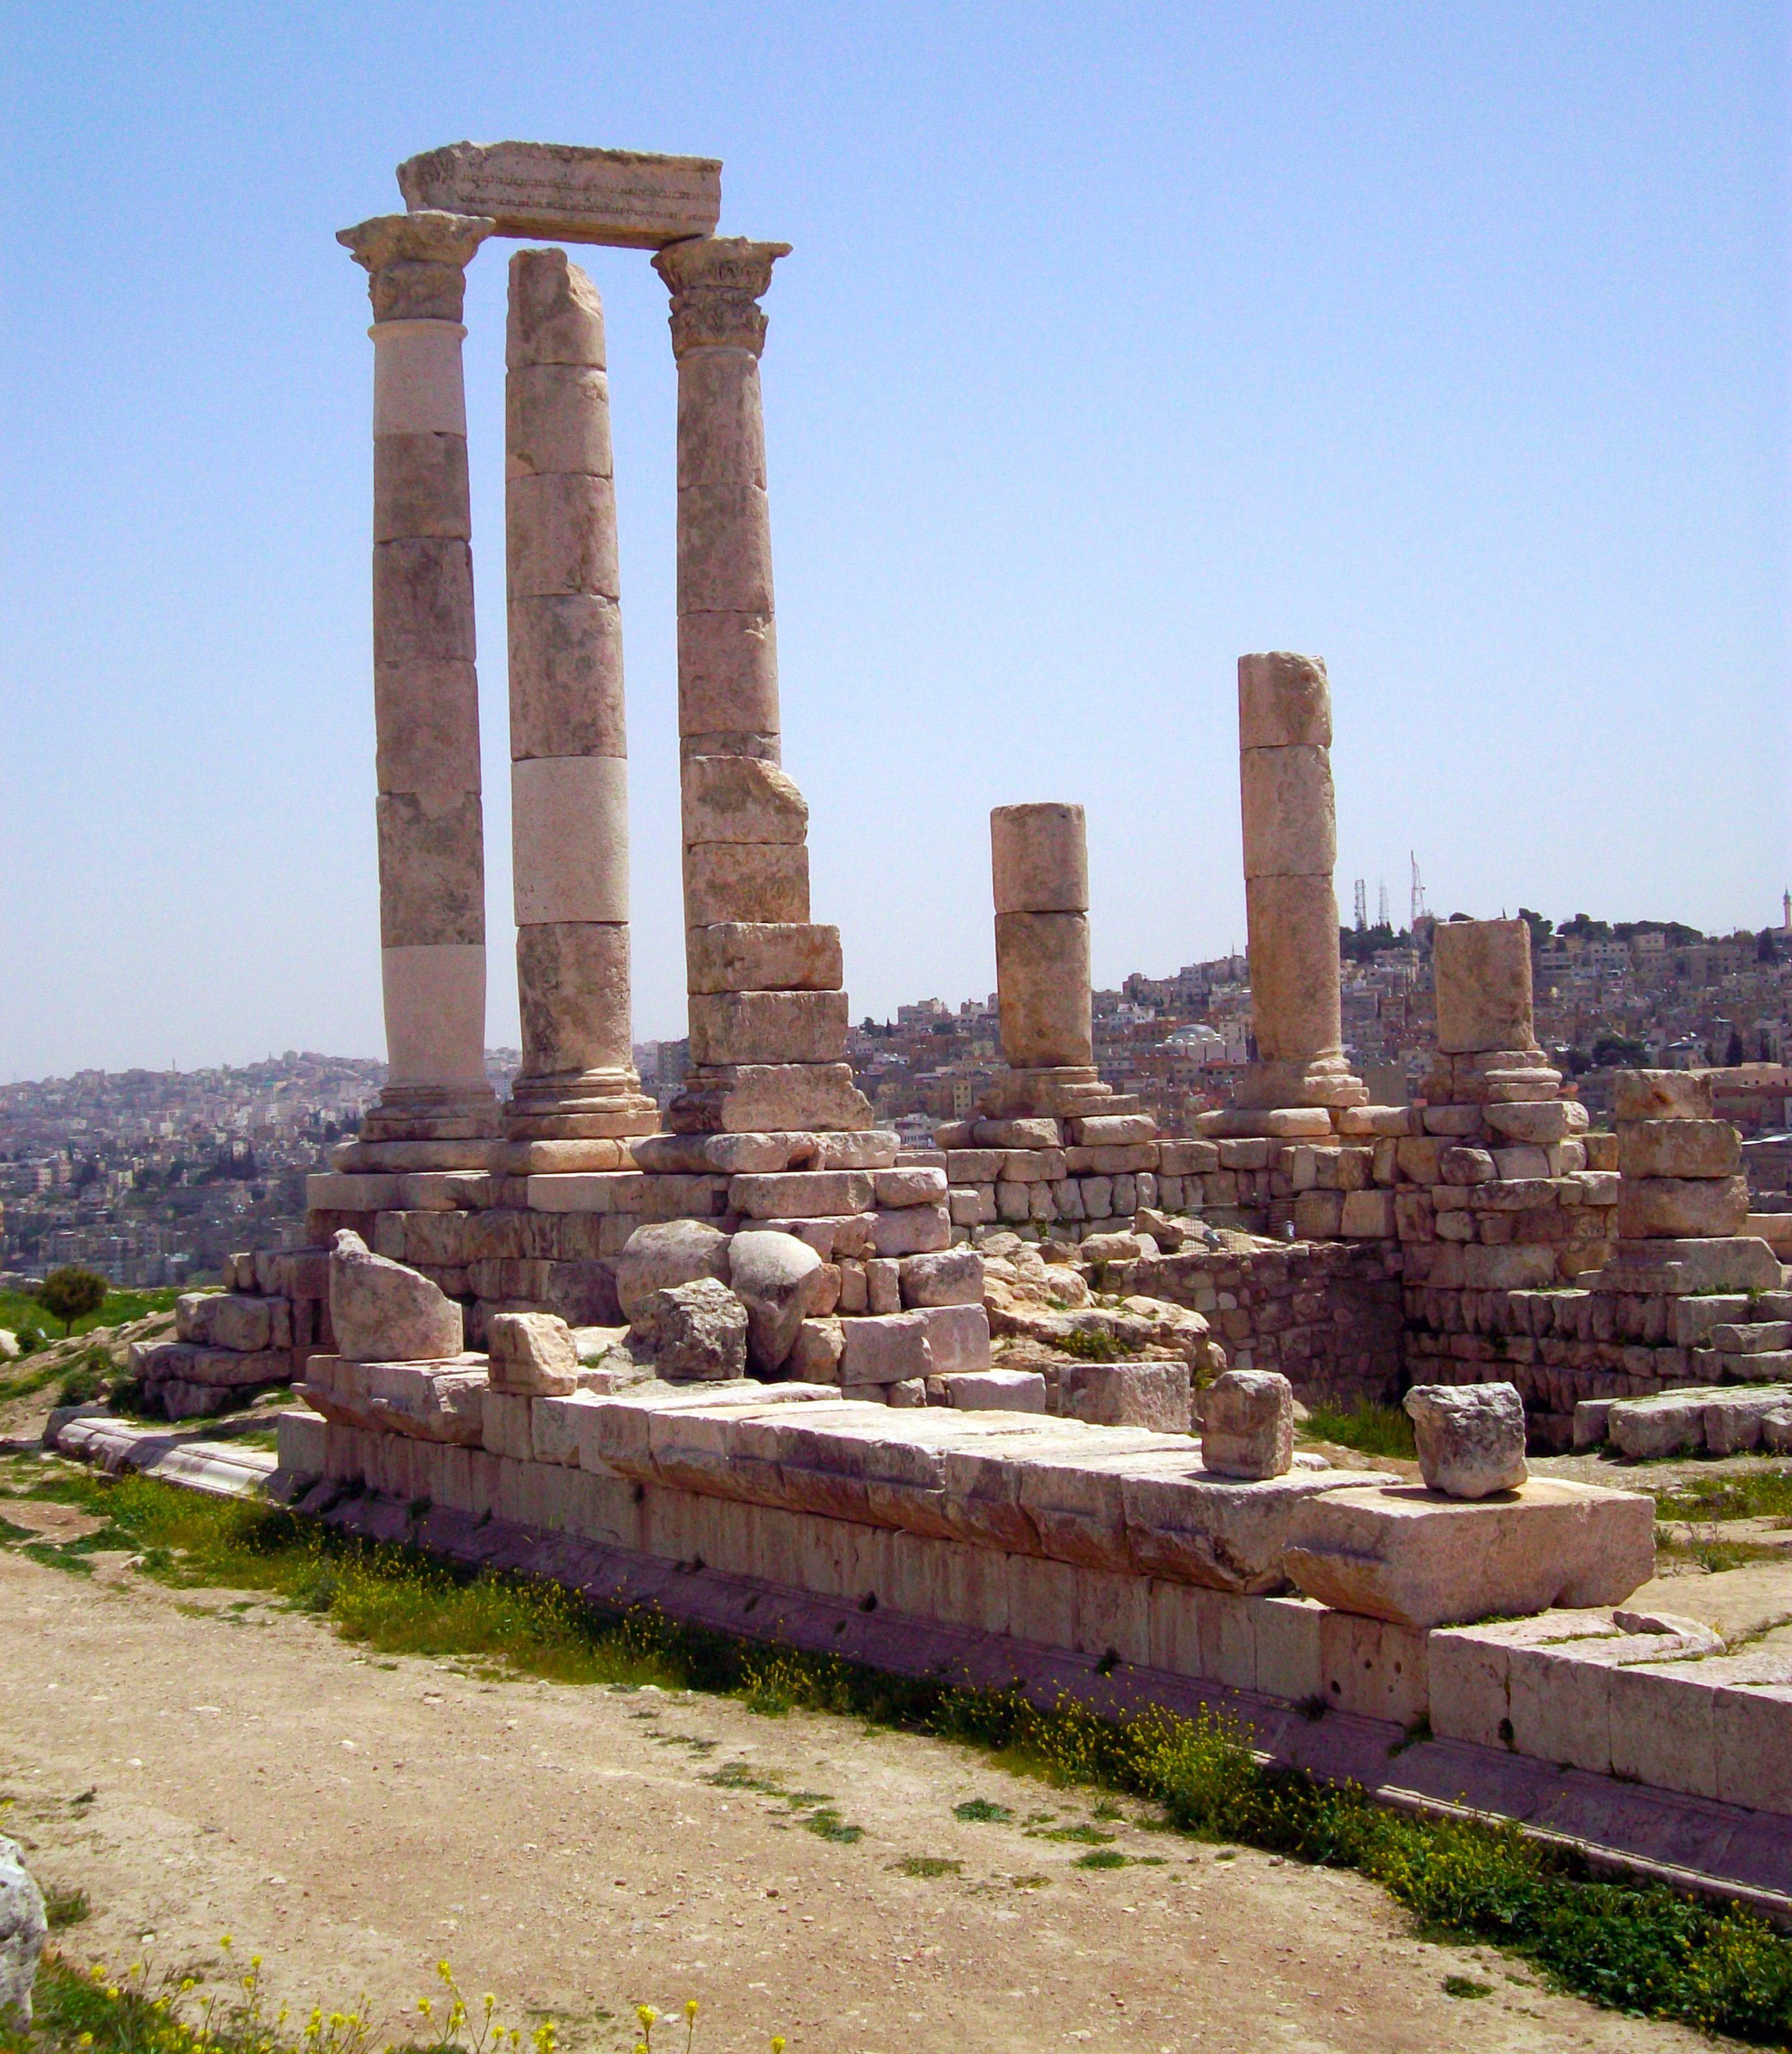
1448,341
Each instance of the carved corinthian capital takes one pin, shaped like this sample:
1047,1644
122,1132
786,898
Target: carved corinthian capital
716,282
416,263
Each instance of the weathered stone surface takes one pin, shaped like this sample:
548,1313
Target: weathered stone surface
1671,1208
1728,1262
1538,1124
1284,701
1399,1553
1041,976
1040,857
1288,811
995,1391
382,1311
911,1230
629,198
899,1187
814,1356
427,1401
1482,969
691,1333
1248,1424
761,1098
416,262
532,1352
1126,1393
23,1930
885,1348
740,799
951,1276
656,1258
781,1281
1660,1094
224,1320
1292,938
801,1193
747,882
1470,1437
767,1027
1223,1533
1679,1148
743,955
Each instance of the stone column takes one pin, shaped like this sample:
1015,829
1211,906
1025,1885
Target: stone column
1284,735
1486,1044
768,1016
577,1092
437,1108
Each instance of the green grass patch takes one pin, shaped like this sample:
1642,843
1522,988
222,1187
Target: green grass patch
1764,1495
1466,1986
1635,1947
1371,1430
1092,1344
66,1907
924,1868
18,1312
980,1811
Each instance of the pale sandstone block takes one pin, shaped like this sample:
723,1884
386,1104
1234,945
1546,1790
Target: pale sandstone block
627,197
556,418
1679,1148
560,535
721,421
420,386
1664,1728
1372,1667
423,602
724,549
1228,1638
769,1027
420,487
1040,859
432,880
426,726
740,799
554,315
1660,1094
1247,1425
1367,1215
1290,1662
1174,1617
887,1349
762,1097
953,1277
1283,701
1482,969
872,1148
752,881
573,988
1292,924
912,1231
1288,810
1042,974
883,1284
1561,1708
800,1194
728,672
301,1441
508,1426
1650,1208
1111,1616
1539,1124
1041,1601
958,1336
910,1187
569,838
566,676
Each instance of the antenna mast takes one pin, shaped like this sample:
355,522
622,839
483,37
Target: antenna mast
1420,909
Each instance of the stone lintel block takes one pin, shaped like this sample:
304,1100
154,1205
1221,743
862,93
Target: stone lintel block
422,601
426,726
1042,976
800,1194
572,982
1678,1148
432,868
748,955
629,198
727,671
1283,701
420,487
1670,1207
759,1098
767,1027
560,535
740,799
757,883
1482,969
569,838
554,315
1403,1553
1292,925
1660,1094
1040,857
556,419
1289,811
566,676
724,549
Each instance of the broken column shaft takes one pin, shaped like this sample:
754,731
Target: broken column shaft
432,906
577,1092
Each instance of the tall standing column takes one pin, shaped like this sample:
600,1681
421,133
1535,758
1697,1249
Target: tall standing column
1487,1041
768,1016
436,1106
1290,845
577,1092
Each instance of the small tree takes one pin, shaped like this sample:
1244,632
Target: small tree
70,1293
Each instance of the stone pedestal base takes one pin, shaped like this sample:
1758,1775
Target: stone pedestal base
456,1122
1492,1076
571,1110
1321,1080
1288,1123
1677,1269
760,1098
1067,1091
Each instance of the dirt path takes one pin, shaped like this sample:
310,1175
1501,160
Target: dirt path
204,1763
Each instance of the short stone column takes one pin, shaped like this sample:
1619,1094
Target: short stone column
1487,1043
437,1109
577,1093
1284,733
768,1016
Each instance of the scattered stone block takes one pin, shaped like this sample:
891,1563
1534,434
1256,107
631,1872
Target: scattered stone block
382,1311
23,1927
532,1352
1247,1425
996,1391
694,1332
438,1401
816,1352
1470,1437
781,1281
1153,1394
659,1257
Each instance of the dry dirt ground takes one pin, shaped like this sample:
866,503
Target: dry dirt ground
201,1763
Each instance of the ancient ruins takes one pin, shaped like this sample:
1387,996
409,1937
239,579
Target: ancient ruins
1015,1388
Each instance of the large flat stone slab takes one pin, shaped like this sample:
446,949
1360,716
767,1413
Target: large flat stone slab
1398,1552
427,1401
629,198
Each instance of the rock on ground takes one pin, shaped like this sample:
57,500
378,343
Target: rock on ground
23,1929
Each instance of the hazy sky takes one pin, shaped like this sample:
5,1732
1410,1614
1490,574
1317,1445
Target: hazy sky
1448,341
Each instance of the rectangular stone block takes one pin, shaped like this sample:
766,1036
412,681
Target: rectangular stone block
302,1443
1372,1667
1289,1649
740,799
742,955
801,1193
746,882
1655,1208
562,192
767,1027
885,1348
1660,1094
958,1334
899,1187
911,1230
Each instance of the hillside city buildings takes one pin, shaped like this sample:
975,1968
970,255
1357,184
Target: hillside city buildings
152,1177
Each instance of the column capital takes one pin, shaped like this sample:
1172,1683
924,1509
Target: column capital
716,282
416,263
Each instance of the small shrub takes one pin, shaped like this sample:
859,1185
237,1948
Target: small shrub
1466,1986
1092,1344
66,1907
72,1293
927,1867
1101,1858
